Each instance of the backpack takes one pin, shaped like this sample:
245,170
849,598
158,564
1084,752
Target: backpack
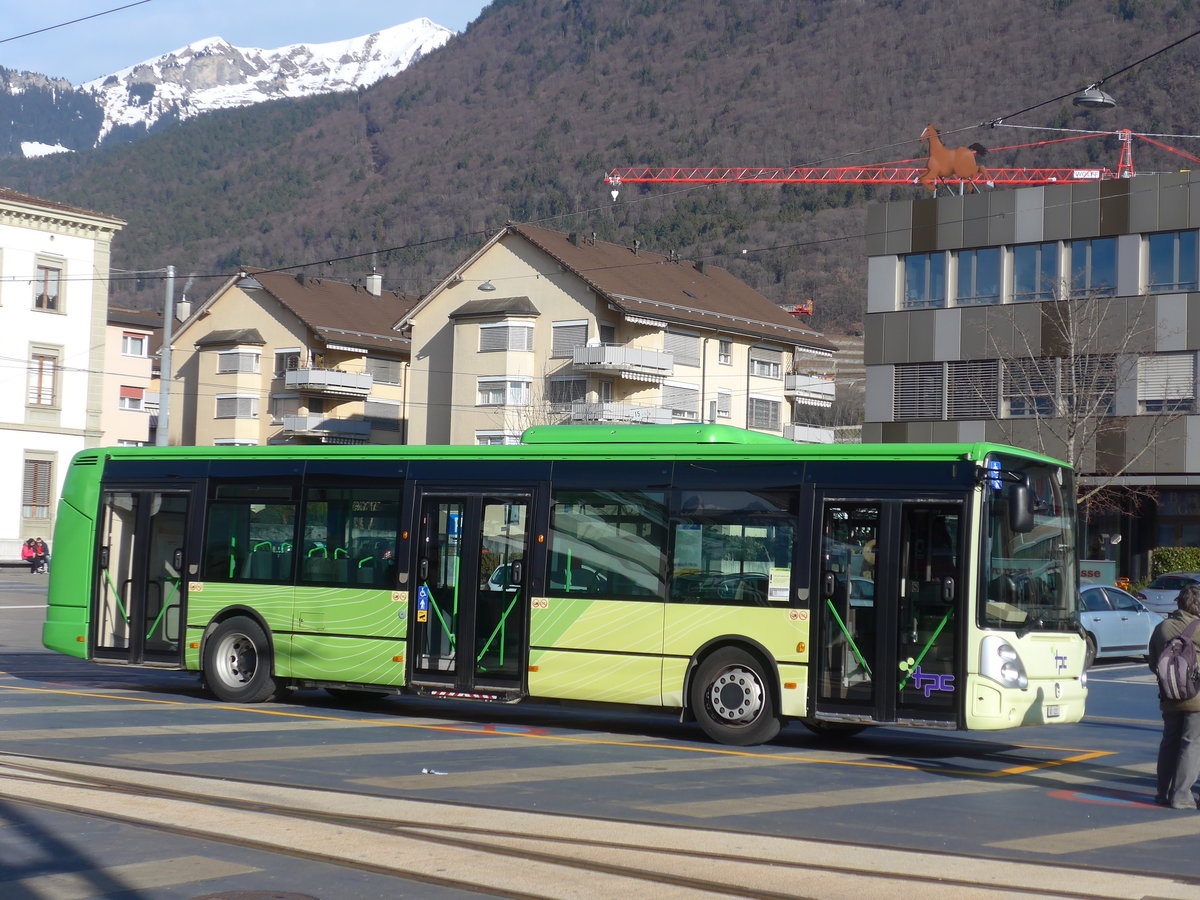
1176,668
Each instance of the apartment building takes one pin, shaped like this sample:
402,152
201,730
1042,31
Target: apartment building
129,406
541,327
54,267
1064,318
276,358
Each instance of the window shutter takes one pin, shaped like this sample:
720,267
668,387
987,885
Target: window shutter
763,413
972,389
685,348
568,336
681,400
35,495
918,391
1167,376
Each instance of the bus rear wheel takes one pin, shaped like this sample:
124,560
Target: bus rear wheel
237,662
731,699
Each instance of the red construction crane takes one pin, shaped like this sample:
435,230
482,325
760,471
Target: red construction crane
886,173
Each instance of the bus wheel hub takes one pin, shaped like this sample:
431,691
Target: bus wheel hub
736,695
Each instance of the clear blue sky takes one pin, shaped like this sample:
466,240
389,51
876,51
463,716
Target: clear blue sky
105,44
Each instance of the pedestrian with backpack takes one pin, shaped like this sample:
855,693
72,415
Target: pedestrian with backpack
1173,658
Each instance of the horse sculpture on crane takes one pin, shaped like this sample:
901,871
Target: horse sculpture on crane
949,162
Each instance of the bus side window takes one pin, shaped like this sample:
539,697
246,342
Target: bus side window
350,536
250,533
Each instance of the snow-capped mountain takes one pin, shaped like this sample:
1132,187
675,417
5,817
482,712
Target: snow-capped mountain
213,74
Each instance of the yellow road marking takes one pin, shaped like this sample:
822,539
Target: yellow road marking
1078,754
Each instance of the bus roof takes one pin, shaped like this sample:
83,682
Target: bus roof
595,442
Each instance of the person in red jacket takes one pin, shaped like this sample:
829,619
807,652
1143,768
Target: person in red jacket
29,556
1179,751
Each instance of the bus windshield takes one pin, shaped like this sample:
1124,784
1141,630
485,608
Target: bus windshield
1029,576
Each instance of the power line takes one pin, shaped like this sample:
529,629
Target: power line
17,37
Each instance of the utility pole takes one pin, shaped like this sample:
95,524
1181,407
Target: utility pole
161,434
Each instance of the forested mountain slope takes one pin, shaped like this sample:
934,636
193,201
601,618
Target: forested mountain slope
520,117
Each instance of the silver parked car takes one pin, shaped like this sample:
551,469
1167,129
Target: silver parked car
1115,622
1159,595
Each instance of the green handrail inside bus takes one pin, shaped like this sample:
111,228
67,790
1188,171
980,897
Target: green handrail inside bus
849,638
366,559
342,550
232,557
315,549
117,594
261,544
500,629
925,649
165,606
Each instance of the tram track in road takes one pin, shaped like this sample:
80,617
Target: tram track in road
529,854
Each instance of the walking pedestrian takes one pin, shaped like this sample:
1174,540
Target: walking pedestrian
1179,751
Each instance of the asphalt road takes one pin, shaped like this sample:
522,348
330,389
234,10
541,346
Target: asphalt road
129,783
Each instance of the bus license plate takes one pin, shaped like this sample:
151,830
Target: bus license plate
1053,712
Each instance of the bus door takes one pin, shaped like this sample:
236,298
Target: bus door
889,614
140,596
469,598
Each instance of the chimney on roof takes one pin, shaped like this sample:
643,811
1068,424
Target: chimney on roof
573,237
375,284
700,266
300,278
637,245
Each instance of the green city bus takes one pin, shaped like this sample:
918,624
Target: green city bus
736,578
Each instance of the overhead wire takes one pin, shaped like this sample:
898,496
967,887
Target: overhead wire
17,37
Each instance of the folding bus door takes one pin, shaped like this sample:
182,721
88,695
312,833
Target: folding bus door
889,611
140,597
470,610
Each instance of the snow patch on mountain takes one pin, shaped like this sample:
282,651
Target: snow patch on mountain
212,74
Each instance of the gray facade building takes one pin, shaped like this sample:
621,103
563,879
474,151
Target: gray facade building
1064,318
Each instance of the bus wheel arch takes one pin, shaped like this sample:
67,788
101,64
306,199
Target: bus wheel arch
732,690
237,659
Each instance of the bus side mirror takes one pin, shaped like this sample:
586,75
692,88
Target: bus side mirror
1020,507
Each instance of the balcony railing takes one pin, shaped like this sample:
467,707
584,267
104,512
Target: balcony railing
608,411
333,382
810,390
327,430
625,362
808,434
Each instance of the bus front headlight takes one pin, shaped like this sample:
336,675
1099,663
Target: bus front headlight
999,661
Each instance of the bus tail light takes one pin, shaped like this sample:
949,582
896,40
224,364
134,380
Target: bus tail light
999,661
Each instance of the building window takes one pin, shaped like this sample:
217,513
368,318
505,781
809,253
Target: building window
565,391
1173,261
235,442
1093,385
505,336
46,288
725,352
131,398
35,495
1166,383
237,406
383,371
762,413
567,336
503,391
1035,271
972,389
918,391
766,363
924,280
43,378
684,348
1094,267
724,404
978,276
235,361
496,438
682,400
286,361
608,334
134,344
1030,387
121,442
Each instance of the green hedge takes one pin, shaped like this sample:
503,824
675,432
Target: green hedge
1171,559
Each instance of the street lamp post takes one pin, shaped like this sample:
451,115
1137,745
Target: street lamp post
161,434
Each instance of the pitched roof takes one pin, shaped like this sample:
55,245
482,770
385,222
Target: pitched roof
245,337
501,306
660,288
339,313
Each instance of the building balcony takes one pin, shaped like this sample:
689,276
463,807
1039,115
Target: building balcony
808,434
329,382
810,390
608,411
325,430
624,362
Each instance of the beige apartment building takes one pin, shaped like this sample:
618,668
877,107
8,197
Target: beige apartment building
541,327
129,406
276,358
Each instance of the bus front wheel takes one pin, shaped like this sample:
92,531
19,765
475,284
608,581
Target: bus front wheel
237,662
731,699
